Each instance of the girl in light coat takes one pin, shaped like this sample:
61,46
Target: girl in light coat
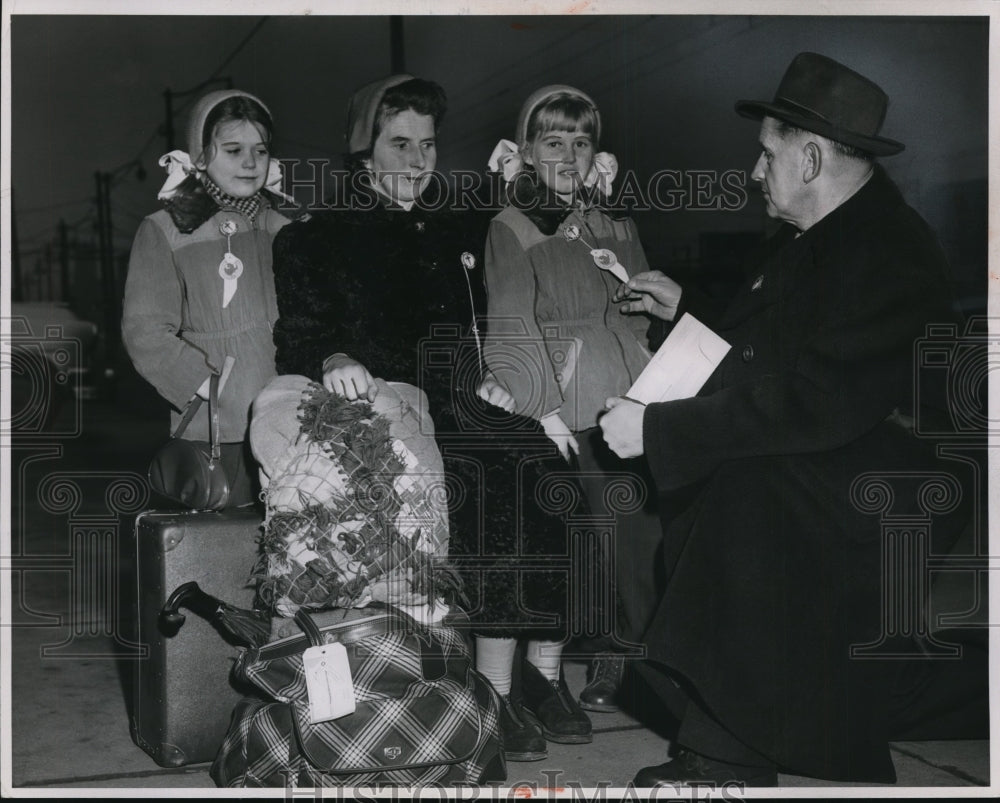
199,297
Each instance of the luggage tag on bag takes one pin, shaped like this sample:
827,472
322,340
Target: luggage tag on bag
328,682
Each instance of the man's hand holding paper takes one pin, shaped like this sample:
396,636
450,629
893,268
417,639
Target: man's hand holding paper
622,427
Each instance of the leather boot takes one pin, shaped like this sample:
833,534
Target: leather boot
522,738
551,704
601,692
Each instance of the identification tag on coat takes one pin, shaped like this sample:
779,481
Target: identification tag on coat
329,685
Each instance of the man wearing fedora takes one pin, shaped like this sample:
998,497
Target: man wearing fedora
773,554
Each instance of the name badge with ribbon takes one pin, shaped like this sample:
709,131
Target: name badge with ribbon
231,266
604,258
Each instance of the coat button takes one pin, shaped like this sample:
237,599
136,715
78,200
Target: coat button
747,353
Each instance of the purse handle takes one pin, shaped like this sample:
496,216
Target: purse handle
303,618
432,658
213,417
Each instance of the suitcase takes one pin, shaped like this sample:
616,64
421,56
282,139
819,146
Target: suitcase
182,694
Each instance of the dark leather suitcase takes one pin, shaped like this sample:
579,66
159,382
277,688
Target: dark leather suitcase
182,695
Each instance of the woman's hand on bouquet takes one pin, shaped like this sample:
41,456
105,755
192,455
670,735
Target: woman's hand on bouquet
349,378
560,434
493,392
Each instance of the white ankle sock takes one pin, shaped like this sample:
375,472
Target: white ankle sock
545,657
495,660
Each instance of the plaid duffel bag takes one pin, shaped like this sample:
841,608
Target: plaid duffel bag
422,713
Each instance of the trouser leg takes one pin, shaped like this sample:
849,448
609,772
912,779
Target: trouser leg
697,729
941,698
610,483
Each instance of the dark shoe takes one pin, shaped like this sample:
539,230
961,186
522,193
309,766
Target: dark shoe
600,694
550,702
522,739
693,768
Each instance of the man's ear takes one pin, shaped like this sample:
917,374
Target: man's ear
367,162
812,161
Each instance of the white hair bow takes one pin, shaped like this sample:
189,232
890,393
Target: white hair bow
179,166
506,158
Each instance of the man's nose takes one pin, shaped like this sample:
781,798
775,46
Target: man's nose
758,169
418,159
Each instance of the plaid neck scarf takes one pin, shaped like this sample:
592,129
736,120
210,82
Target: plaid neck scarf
246,206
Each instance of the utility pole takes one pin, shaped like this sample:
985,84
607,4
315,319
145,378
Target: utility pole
106,261
111,297
397,55
168,124
63,261
49,279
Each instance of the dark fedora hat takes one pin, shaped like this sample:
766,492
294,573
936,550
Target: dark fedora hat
825,97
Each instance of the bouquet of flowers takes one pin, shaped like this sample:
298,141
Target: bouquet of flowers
356,499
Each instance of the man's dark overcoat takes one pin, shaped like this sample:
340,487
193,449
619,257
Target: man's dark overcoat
774,558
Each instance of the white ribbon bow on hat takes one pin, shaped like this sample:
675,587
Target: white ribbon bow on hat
506,157
179,166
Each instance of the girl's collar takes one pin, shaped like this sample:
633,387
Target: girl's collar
249,207
192,204
544,208
388,201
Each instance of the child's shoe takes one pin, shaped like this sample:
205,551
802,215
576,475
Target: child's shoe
522,738
551,704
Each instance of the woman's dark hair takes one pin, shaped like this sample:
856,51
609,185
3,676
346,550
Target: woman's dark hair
423,97
238,107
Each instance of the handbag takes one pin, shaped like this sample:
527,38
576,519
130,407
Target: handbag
191,472
422,713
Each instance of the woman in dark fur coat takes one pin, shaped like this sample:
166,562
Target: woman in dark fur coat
391,287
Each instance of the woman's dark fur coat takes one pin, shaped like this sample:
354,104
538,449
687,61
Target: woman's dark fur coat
388,288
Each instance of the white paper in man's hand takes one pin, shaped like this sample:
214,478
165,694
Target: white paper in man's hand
682,365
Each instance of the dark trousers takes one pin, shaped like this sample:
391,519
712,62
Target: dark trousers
929,699
611,485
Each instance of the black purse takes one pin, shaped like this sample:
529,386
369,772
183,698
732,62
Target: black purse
190,472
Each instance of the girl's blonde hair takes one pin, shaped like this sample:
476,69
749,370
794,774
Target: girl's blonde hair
563,111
